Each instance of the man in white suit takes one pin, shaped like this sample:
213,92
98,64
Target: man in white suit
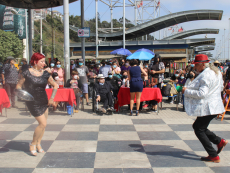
203,99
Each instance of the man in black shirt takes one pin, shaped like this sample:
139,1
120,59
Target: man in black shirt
103,92
10,79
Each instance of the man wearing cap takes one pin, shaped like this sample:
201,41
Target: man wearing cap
83,72
104,69
10,79
103,92
203,99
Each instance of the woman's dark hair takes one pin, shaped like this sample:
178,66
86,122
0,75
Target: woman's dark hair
133,62
57,62
124,71
54,74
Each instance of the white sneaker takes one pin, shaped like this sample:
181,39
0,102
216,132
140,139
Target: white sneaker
171,102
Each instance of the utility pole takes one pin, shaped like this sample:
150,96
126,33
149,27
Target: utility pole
30,35
224,44
111,12
82,26
41,32
52,54
96,16
124,24
66,38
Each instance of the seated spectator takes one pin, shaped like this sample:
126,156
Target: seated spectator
126,66
181,82
116,70
60,71
125,77
73,83
97,67
115,82
103,94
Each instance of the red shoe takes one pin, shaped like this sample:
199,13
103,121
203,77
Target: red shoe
145,106
211,159
221,145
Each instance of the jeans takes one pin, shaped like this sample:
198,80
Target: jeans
206,136
10,90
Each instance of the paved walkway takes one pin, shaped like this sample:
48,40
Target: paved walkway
88,143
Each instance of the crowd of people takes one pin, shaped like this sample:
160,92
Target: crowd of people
202,84
84,79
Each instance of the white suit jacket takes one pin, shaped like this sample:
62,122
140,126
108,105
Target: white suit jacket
203,95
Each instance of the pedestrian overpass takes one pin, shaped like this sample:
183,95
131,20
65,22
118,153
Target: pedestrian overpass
161,23
193,32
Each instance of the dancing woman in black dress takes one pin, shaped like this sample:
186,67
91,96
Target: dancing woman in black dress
35,80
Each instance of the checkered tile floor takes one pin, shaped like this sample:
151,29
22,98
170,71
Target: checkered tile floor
87,143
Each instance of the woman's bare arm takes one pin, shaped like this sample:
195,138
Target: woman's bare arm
143,72
20,83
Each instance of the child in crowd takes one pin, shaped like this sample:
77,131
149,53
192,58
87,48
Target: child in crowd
73,83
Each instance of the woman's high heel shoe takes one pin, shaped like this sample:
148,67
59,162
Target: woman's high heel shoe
131,113
137,112
41,150
33,152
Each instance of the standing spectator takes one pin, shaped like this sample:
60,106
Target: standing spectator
76,64
52,65
97,68
188,67
24,64
92,75
126,66
136,85
10,79
60,71
104,69
83,73
122,63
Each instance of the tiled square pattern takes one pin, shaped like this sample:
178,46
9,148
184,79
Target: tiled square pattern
86,143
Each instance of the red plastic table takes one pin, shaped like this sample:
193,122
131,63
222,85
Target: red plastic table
147,95
63,95
4,100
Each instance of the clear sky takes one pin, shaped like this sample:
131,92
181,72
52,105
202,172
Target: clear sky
173,6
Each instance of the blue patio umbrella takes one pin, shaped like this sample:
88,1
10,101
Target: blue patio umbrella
142,56
145,50
121,51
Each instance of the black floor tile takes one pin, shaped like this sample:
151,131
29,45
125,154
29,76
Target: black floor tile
108,170
19,146
84,121
119,146
137,170
181,127
67,160
148,121
158,136
222,169
77,136
117,128
49,127
18,121
174,159
8,135
16,170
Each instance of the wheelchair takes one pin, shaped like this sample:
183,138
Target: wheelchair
95,105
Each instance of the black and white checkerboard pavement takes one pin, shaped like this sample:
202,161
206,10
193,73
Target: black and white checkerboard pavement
87,143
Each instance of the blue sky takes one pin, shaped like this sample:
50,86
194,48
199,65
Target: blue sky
173,6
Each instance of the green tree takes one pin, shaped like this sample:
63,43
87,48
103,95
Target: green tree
10,45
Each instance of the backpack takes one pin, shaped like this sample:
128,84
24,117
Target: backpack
165,91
